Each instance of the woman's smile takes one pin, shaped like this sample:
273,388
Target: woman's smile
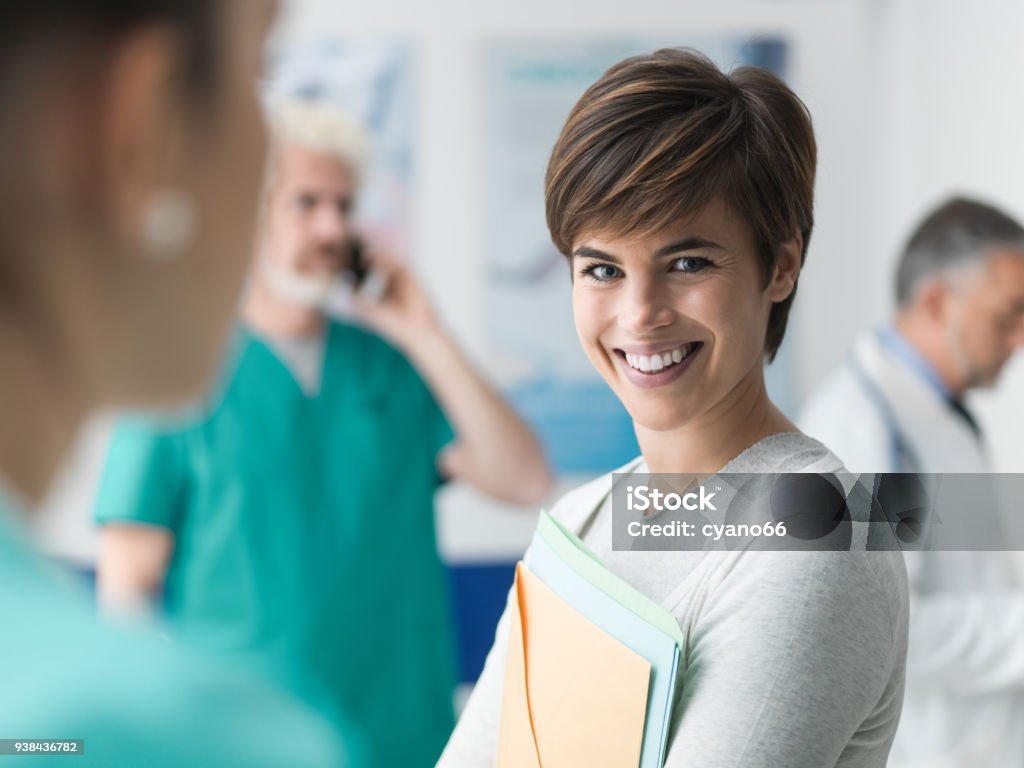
657,367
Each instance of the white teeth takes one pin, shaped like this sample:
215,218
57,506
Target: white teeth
651,363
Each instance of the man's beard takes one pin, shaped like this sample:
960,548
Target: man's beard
310,291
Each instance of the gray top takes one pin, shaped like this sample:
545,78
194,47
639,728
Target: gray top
792,658
303,356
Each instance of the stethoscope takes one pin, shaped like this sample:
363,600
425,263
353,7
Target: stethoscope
902,454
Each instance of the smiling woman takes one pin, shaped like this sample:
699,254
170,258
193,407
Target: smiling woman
676,321
683,199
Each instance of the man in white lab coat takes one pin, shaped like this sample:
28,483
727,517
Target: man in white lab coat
896,405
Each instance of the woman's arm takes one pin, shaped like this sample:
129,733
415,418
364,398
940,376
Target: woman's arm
793,654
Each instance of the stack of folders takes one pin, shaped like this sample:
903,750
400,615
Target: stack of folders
591,669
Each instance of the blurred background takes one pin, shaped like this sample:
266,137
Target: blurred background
912,100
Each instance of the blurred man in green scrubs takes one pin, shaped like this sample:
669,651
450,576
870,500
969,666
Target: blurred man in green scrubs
289,520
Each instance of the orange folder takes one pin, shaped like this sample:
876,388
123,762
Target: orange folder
574,695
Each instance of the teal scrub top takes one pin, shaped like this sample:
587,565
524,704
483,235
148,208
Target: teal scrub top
304,531
134,698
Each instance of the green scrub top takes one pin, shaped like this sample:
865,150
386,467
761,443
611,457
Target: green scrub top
304,532
134,698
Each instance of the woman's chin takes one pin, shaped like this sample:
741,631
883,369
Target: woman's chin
654,418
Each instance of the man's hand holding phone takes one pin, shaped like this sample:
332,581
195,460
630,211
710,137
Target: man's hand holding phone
389,298
371,284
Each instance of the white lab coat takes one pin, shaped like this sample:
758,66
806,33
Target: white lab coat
964,704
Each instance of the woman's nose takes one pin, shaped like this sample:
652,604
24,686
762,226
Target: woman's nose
645,306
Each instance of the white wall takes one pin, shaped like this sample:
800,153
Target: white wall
912,99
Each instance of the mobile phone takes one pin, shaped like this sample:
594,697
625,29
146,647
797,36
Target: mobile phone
371,284
358,267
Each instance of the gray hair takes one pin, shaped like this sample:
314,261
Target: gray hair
958,233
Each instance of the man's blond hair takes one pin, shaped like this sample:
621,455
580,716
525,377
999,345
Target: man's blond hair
318,126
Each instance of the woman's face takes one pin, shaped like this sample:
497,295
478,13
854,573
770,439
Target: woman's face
675,322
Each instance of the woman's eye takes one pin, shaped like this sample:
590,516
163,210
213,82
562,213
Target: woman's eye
602,272
690,264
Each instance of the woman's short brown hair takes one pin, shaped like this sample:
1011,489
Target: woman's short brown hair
658,137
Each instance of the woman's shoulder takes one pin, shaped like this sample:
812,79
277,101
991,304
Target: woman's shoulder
583,499
786,452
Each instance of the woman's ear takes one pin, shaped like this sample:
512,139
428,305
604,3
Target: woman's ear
141,134
787,269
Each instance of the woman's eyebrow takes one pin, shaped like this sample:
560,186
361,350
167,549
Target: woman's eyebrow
689,244
586,252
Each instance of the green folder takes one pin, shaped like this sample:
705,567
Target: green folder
578,556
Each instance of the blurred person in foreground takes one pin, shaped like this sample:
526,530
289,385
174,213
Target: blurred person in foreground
682,199
131,144
291,521
897,405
